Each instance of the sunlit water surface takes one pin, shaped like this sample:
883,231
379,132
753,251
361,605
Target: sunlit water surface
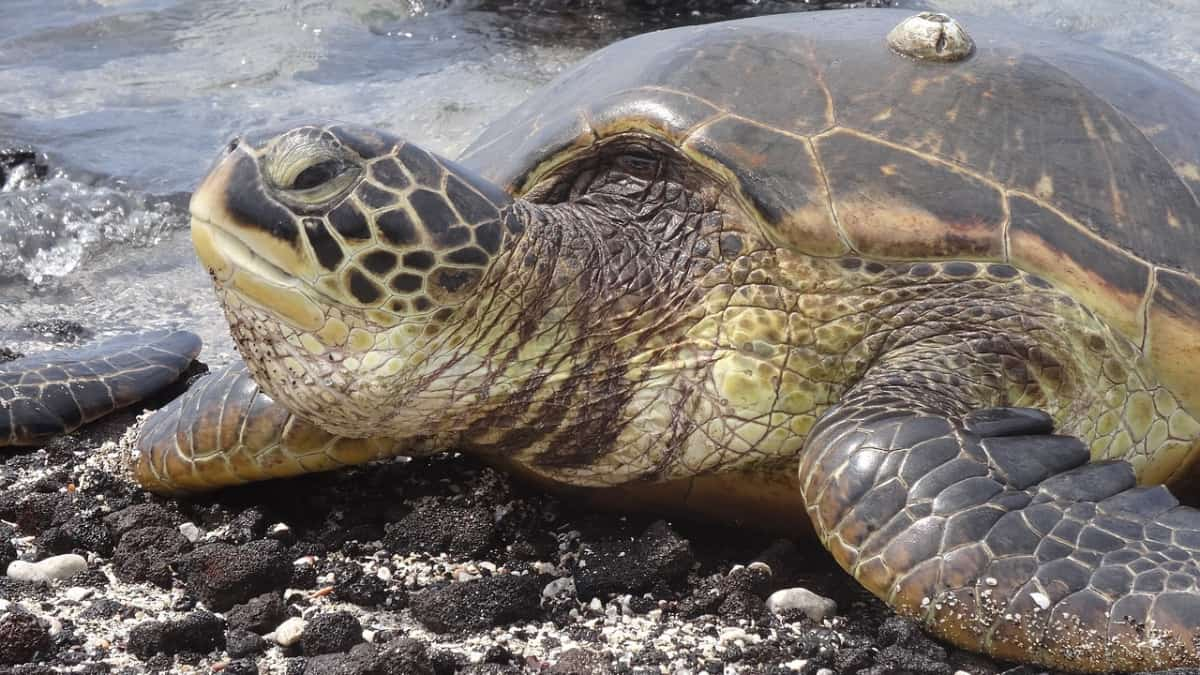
131,98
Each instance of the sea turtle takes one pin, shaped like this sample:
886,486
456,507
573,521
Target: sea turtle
846,268
56,392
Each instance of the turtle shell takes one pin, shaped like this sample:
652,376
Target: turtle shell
1070,162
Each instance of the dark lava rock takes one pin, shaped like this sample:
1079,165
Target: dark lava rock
261,614
351,584
222,575
331,632
8,552
897,659
359,661
240,642
247,526
480,603
78,533
403,655
23,637
59,329
659,557
197,632
140,516
7,354
784,559
37,511
490,669
24,159
460,532
580,661
145,554
107,608
738,596
240,667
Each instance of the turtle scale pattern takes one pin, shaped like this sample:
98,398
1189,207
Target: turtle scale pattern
977,160
958,295
56,392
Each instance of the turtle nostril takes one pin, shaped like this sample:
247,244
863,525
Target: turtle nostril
233,144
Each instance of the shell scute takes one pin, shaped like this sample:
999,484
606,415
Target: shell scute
1107,279
894,203
779,175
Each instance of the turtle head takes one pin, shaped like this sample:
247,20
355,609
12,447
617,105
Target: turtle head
344,257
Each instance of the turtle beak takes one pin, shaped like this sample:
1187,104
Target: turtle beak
206,208
256,261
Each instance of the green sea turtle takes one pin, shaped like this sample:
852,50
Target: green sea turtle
838,268
56,392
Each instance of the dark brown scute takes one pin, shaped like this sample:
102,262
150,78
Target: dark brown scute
736,71
779,175
349,221
423,168
363,289
1179,295
418,260
487,235
324,246
436,216
250,206
407,283
1121,271
470,205
373,197
379,262
396,227
387,172
454,279
894,203
469,255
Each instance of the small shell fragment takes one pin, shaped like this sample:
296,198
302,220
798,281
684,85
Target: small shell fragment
931,36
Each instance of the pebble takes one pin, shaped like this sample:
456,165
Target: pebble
79,593
52,568
730,634
288,633
560,586
815,607
191,532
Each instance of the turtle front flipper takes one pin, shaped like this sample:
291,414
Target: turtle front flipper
999,536
60,391
226,431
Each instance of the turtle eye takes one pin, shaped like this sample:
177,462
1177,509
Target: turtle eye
318,174
638,163
317,183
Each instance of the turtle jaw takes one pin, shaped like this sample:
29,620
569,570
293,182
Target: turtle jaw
257,267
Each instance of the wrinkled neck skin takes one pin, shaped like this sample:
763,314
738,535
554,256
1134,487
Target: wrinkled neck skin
548,346
546,358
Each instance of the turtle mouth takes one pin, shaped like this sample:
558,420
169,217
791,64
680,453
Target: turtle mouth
223,253
236,267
